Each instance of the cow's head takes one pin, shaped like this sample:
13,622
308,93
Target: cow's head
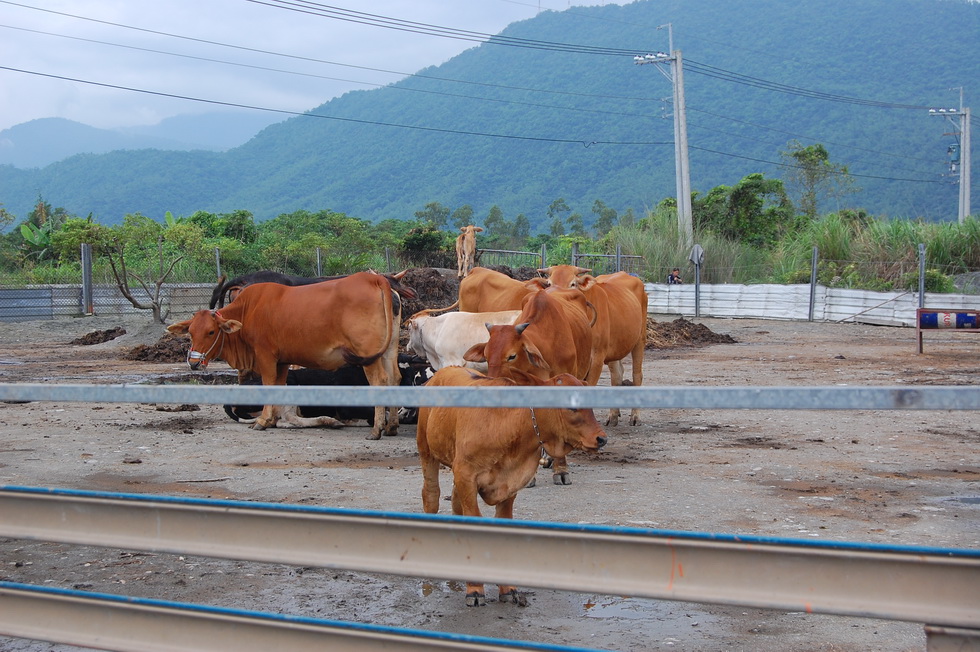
568,276
506,351
208,331
577,428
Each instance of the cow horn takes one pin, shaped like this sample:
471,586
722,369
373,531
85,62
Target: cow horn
583,270
520,327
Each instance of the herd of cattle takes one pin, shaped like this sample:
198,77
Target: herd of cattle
557,330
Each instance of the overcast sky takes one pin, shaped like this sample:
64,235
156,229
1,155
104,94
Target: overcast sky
165,52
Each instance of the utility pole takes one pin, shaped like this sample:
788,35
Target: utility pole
682,168
960,166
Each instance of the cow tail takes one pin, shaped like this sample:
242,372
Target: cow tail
386,300
429,311
217,293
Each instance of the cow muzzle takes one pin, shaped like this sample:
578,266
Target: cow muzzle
196,360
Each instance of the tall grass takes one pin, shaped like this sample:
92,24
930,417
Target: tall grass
876,255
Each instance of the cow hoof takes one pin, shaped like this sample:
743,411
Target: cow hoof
562,478
547,462
374,435
513,596
257,426
476,600
533,482
612,421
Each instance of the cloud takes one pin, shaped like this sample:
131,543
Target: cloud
174,48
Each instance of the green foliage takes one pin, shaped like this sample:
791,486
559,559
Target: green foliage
67,242
814,177
434,214
935,281
755,211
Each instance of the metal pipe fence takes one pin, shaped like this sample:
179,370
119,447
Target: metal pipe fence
937,587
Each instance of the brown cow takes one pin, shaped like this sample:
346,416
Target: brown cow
323,326
486,290
620,301
227,290
466,249
493,452
552,335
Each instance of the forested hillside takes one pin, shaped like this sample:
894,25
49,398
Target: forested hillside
518,127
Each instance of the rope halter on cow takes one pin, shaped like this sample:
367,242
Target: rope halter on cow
195,358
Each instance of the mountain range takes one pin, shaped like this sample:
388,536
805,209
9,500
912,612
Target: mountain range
519,126
44,141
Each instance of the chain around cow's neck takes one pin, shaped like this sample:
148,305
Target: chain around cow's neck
537,433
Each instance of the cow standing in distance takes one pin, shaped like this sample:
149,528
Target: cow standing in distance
227,290
552,335
620,301
269,327
444,339
494,452
466,249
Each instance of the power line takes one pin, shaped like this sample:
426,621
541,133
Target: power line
586,143
388,22
577,141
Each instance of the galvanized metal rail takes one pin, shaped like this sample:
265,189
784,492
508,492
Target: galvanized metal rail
938,587
655,397
112,622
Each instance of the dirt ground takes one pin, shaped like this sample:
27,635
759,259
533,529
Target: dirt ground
908,478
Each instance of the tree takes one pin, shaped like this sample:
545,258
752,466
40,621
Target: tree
462,216
142,239
605,217
812,175
575,225
522,228
756,210
41,224
67,242
6,218
494,222
556,210
434,214
627,219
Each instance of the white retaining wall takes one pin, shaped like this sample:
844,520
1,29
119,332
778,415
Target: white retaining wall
793,302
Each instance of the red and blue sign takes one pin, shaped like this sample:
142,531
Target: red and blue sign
948,320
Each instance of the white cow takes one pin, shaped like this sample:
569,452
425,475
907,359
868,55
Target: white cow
443,339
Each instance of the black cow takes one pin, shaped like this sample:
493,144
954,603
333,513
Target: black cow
226,290
414,371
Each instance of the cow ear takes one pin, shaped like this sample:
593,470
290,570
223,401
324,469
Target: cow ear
476,353
230,325
586,282
463,229
180,328
536,284
534,355
478,229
